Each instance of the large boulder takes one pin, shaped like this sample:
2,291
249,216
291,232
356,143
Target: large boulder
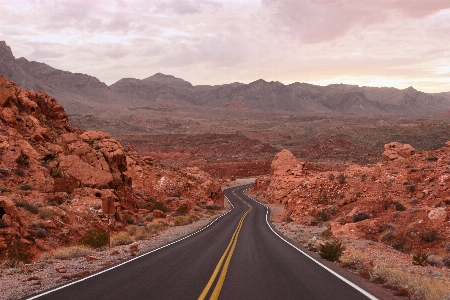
395,151
286,164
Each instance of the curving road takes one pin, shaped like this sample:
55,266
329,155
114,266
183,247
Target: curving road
236,257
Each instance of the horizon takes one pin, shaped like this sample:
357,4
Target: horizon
384,44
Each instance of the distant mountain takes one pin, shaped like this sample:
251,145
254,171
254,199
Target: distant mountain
78,92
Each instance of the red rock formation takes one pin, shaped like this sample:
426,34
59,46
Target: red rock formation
403,201
54,177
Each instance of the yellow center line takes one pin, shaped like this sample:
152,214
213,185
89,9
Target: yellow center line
228,253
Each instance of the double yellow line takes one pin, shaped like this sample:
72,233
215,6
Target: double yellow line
226,256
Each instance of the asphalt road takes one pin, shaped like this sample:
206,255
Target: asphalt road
237,257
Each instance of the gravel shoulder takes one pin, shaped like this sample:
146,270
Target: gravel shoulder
29,279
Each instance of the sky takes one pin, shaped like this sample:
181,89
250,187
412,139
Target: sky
394,43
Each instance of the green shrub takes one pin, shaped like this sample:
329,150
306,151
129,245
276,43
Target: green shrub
26,187
331,250
94,238
420,259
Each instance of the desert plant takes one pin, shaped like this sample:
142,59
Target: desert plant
341,178
26,187
122,238
331,251
19,172
322,216
430,236
183,210
72,252
46,213
3,188
432,158
420,259
360,216
158,205
180,221
41,233
95,238
128,218
17,251
331,176
363,177
27,206
401,243
399,206
326,234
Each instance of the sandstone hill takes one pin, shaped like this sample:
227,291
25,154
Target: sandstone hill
79,91
54,178
403,201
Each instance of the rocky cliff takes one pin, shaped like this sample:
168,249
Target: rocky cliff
55,177
403,201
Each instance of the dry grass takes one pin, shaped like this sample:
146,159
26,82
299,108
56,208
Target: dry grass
72,252
180,221
122,238
419,286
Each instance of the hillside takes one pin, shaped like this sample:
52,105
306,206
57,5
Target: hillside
54,179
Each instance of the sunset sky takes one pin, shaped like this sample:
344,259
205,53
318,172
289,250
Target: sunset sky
397,43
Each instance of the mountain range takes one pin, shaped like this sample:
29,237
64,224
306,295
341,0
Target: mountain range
80,92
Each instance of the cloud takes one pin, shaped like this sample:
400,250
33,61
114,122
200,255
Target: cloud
314,21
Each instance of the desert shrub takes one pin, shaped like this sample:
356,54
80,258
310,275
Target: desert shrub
414,201
17,251
46,213
360,216
401,243
322,198
326,234
161,225
180,221
410,187
158,205
183,210
19,172
341,178
72,252
430,236
420,259
363,177
432,158
149,218
122,238
386,203
94,238
26,187
3,171
27,206
387,235
322,216
353,261
331,176
331,251
41,233
23,160
399,206
3,188
128,218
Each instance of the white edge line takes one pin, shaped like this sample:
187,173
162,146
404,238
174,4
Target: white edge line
358,288
137,257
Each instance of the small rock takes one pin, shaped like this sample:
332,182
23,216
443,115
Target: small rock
91,258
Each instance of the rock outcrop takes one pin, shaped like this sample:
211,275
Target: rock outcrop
54,177
403,201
